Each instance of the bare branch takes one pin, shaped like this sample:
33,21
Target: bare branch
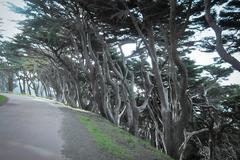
218,33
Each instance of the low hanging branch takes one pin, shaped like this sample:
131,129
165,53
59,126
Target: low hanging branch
218,32
187,137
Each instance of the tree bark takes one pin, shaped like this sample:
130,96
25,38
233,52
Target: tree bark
10,82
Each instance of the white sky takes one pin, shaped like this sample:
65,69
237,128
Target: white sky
9,18
10,29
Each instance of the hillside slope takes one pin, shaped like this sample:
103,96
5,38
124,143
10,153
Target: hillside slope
118,142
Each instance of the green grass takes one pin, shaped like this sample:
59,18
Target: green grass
102,140
3,99
118,142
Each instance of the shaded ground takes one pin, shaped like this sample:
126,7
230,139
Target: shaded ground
39,129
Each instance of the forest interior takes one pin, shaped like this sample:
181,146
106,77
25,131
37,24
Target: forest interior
72,51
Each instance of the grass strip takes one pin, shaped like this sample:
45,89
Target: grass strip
3,99
104,141
118,142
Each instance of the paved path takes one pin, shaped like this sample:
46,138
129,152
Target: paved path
35,129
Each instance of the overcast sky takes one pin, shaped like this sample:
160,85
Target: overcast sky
9,18
10,29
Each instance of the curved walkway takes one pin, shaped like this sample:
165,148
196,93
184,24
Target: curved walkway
36,129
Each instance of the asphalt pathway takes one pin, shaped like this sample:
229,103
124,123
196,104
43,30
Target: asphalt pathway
37,129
